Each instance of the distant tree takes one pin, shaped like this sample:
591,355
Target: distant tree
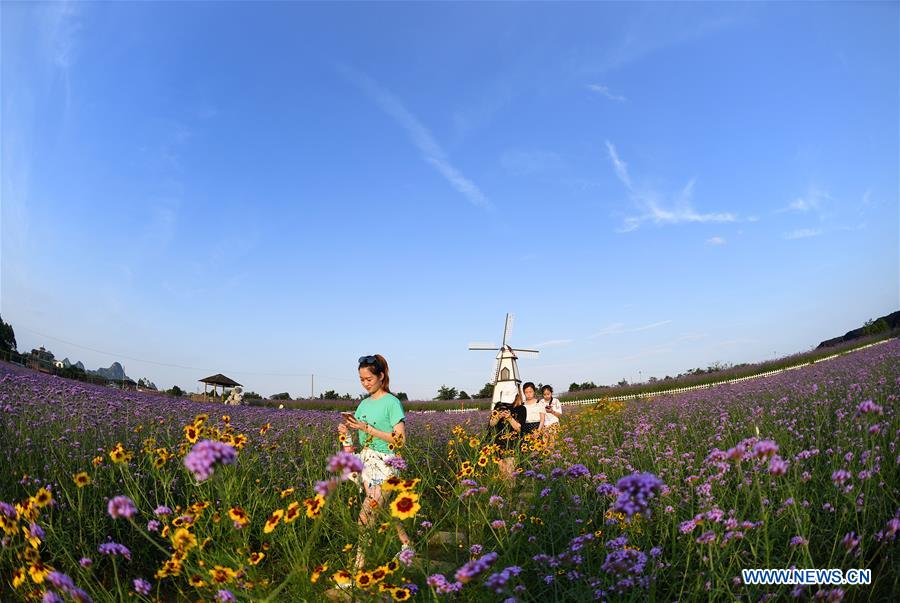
146,383
486,392
402,396
7,337
622,383
281,396
446,393
652,380
463,396
175,391
346,397
252,396
873,327
588,385
329,395
574,387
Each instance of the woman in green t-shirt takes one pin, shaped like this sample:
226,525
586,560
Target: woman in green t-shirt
380,421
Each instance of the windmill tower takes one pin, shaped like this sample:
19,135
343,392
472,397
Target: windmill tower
505,377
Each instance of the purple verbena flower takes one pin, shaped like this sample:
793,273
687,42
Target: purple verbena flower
121,506
141,586
205,455
635,493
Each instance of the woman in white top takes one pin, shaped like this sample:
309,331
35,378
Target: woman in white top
552,412
534,411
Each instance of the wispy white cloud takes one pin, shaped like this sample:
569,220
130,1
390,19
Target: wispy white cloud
802,233
618,327
715,241
813,200
656,29
652,208
420,136
604,91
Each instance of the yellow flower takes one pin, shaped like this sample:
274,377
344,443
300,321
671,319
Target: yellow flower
314,506
82,479
317,571
18,577
363,579
292,512
379,574
287,492
239,516
264,428
31,537
391,483
273,520
42,498
183,540
119,455
405,505
191,433
401,594
342,577
97,460
196,581
222,574
348,547
199,420
255,558
239,441
38,571
172,567
392,566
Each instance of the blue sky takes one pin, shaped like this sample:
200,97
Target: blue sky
272,190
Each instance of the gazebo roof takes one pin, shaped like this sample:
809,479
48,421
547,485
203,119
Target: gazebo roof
220,379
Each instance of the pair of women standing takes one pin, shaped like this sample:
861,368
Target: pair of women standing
512,422
380,422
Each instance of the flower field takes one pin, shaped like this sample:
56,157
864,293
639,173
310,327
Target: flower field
112,496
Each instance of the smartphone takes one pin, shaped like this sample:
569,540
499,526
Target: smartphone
346,415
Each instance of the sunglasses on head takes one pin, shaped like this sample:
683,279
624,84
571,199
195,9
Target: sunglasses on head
369,360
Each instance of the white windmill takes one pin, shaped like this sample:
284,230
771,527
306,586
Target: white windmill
505,377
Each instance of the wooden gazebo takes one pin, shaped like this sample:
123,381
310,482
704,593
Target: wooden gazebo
217,380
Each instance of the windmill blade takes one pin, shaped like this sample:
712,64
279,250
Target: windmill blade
526,352
496,373
483,346
507,330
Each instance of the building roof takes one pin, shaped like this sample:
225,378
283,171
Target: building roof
220,379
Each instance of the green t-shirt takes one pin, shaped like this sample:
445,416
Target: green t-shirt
382,414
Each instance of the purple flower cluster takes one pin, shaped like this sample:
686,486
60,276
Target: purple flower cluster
765,448
162,510
472,569
141,586
577,470
396,462
635,493
622,562
121,506
440,584
66,585
205,455
346,464
497,582
406,556
114,548
225,596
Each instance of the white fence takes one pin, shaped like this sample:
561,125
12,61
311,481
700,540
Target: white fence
679,389
717,383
